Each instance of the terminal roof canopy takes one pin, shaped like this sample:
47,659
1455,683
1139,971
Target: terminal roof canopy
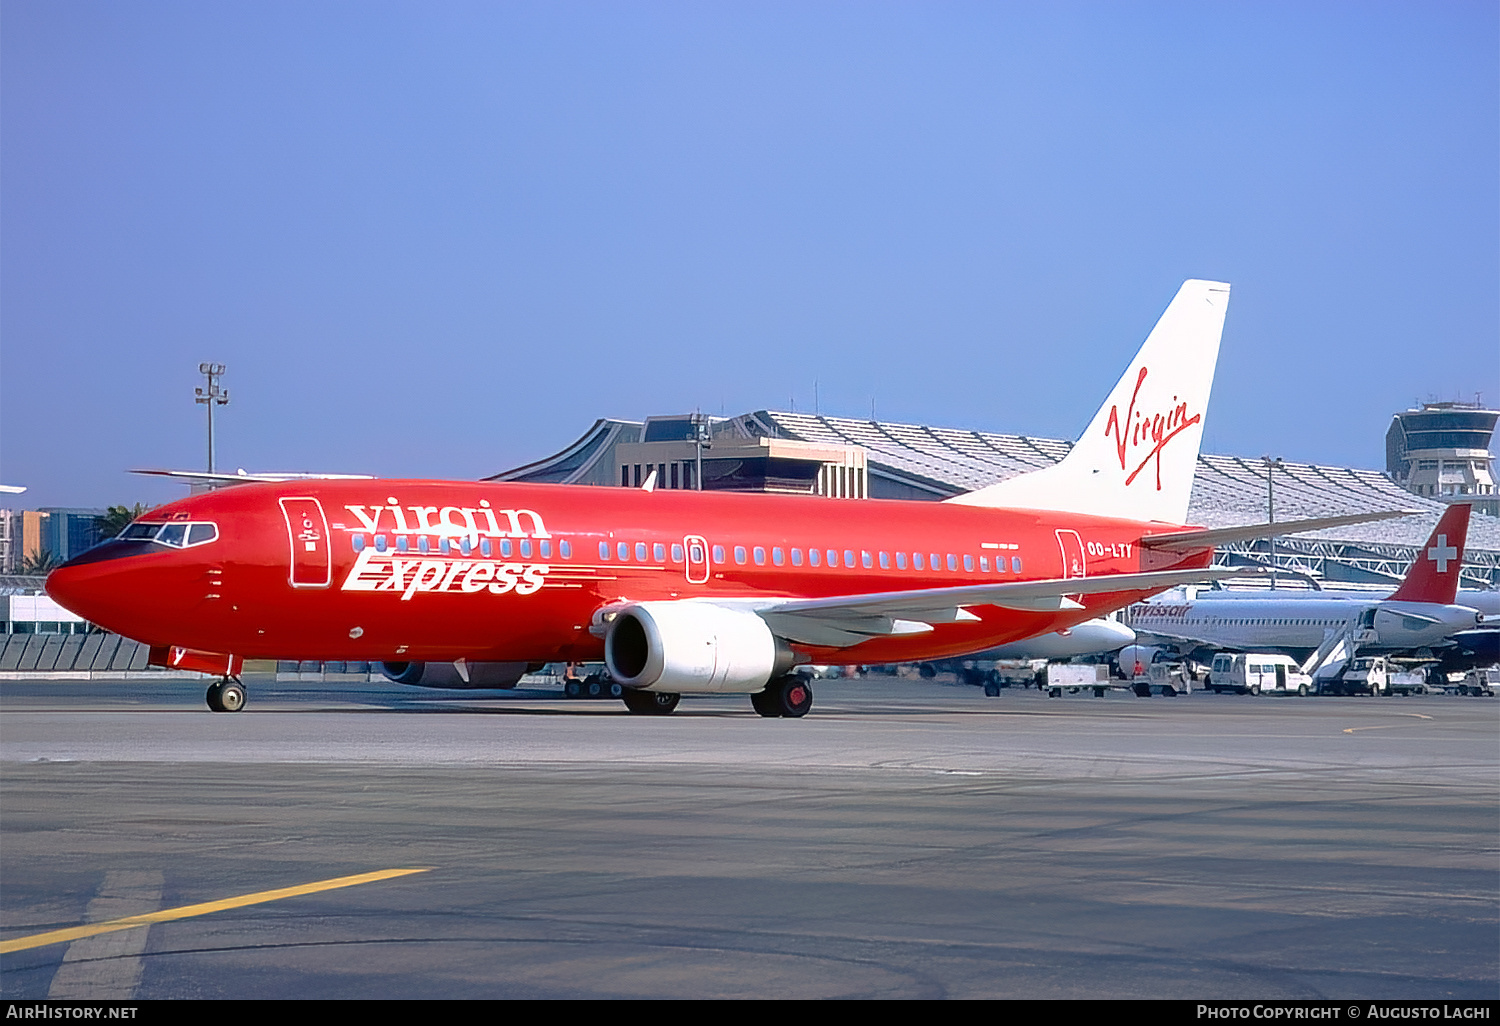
909,461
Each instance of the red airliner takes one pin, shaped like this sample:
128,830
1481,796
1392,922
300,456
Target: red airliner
467,584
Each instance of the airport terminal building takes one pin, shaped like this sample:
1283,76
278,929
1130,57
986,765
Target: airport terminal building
845,458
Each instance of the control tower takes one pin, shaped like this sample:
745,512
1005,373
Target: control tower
1443,451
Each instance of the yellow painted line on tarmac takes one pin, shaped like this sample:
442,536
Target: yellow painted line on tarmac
1387,726
38,940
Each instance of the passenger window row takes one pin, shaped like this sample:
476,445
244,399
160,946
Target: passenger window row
656,552
505,548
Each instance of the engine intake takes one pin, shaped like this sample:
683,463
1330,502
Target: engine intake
687,647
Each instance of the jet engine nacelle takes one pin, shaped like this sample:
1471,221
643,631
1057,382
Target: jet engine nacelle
447,675
1399,626
1132,656
686,647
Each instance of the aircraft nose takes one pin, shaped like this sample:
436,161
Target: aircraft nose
76,588
98,585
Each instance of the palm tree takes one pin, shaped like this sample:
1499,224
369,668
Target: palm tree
117,518
39,562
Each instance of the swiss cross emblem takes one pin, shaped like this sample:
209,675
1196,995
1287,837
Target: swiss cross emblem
1441,553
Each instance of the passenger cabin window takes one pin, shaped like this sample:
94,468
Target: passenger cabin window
603,550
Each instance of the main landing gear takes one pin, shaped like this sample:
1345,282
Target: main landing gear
650,703
227,695
787,696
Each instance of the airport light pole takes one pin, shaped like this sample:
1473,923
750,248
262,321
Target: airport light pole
211,396
1271,464
701,441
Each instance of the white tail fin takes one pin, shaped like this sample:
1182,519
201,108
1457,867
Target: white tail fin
1137,458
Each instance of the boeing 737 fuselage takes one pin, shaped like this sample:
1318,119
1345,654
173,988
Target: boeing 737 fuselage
678,592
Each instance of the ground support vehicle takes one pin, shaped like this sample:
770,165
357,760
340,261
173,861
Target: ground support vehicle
1480,683
1256,673
1077,677
1365,675
1408,682
1167,679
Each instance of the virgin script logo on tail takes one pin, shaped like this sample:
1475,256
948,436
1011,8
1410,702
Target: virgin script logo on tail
1141,428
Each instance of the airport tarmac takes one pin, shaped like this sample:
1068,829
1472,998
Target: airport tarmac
906,839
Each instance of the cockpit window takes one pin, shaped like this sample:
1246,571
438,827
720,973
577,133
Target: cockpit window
172,534
177,535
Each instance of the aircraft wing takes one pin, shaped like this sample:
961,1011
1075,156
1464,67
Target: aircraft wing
844,620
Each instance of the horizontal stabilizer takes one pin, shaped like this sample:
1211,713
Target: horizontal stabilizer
1180,540
243,477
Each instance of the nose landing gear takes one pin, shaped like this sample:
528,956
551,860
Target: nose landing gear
227,695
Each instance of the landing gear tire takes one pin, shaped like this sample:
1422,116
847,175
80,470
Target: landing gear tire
764,702
789,697
573,688
650,703
232,696
226,696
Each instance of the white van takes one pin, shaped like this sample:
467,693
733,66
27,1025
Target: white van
1255,673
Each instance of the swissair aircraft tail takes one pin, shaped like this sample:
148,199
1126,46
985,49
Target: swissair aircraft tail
1138,456
1433,576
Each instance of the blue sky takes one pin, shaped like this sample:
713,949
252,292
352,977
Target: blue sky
439,239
